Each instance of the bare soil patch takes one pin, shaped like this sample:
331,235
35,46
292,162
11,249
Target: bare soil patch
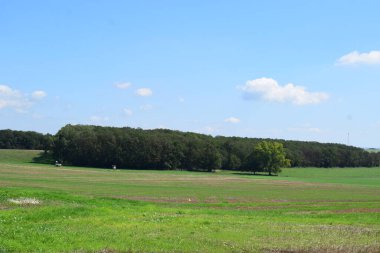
161,199
302,184
3,207
359,210
343,249
343,211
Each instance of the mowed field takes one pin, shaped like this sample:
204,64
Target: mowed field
70,209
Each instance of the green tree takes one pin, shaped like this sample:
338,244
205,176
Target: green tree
252,163
211,159
270,157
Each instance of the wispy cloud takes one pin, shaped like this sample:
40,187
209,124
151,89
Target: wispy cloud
233,120
144,92
269,90
8,91
16,100
209,130
123,86
355,58
127,112
39,94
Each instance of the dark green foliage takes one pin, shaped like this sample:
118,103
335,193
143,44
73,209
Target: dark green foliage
135,148
210,159
10,139
167,150
252,164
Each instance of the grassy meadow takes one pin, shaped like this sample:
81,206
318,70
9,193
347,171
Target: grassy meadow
70,209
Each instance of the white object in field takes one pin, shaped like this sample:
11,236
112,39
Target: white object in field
25,201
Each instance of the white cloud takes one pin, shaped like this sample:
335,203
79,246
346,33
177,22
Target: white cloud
123,86
8,91
209,130
128,112
269,90
232,120
39,94
372,57
144,92
13,99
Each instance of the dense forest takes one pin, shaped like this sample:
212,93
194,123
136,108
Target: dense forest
126,147
166,149
11,139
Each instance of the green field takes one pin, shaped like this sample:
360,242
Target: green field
99,210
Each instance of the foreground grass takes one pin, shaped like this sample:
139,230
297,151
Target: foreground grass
94,210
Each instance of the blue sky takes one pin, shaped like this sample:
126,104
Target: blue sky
302,70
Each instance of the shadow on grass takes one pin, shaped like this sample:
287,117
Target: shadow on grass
44,158
242,173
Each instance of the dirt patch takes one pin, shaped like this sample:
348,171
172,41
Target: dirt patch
23,172
352,210
247,208
208,200
190,179
2,207
258,208
104,251
279,200
161,199
109,251
286,182
358,210
50,170
211,200
342,249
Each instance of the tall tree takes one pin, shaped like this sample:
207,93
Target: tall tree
270,157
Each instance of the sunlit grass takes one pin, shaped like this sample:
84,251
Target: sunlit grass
18,156
101,210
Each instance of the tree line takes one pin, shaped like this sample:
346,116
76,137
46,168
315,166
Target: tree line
11,139
96,146
85,145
